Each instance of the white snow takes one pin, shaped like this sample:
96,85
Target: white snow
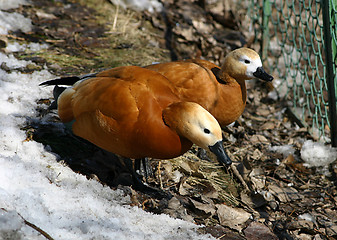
16,47
14,21
140,5
316,154
8,4
307,217
286,150
37,188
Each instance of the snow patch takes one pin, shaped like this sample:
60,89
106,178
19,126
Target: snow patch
140,5
286,150
17,47
14,22
9,4
316,154
307,217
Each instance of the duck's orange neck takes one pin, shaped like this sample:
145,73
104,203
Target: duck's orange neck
235,82
231,102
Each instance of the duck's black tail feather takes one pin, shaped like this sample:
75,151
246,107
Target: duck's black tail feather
56,93
67,80
63,81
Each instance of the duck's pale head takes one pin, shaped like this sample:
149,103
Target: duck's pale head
244,64
193,122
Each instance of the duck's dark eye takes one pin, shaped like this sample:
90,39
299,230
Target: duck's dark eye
207,131
247,61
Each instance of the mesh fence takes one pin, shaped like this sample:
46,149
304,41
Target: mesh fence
292,36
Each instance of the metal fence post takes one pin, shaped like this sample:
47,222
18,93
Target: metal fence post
329,27
266,12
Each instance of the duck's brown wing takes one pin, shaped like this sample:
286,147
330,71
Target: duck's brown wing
120,110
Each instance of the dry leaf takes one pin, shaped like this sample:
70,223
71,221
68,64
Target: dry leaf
291,162
185,168
256,139
177,210
284,194
258,178
223,233
253,200
278,192
185,188
301,224
257,154
268,126
263,112
207,208
259,231
232,217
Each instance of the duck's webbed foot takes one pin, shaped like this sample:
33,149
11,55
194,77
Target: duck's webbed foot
143,167
144,188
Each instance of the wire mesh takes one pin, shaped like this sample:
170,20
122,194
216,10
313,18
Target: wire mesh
291,35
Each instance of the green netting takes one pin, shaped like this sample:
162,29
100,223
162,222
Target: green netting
291,35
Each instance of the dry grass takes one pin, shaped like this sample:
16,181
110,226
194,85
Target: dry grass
127,40
127,28
203,177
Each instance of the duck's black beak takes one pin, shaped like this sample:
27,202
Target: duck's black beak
260,73
219,151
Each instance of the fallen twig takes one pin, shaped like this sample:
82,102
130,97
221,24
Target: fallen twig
238,175
46,235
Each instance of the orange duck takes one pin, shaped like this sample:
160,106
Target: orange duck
221,91
135,112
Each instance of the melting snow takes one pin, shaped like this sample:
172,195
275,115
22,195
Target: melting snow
8,4
286,150
140,5
316,154
14,22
